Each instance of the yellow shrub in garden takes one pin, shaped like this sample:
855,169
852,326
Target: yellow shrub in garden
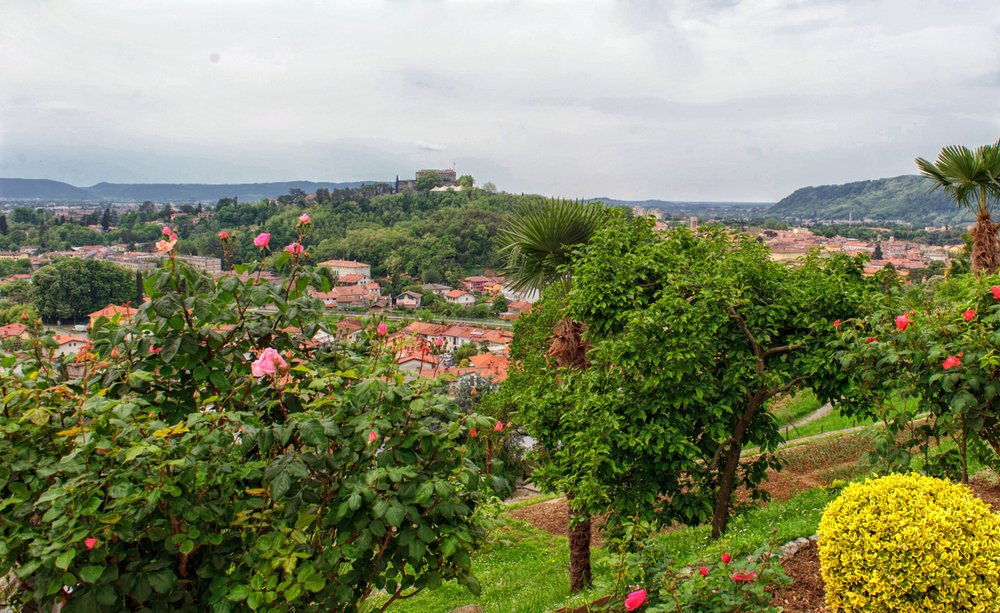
910,543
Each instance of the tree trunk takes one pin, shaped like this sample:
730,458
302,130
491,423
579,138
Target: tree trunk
720,515
985,249
579,553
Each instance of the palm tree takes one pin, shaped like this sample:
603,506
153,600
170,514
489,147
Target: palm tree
538,241
972,178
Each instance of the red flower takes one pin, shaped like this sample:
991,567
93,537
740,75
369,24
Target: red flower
870,339
382,329
223,235
372,436
968,315
703,571
725,558
90,542
749,577
951,362
996,291
499,428
836,324
634,600
902,321
473,433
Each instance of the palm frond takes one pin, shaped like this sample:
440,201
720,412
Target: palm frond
538,238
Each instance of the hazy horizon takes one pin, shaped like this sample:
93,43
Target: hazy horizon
687,101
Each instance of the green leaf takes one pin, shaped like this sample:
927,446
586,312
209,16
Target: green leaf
65,559
312,433
238,592
280,485
90,574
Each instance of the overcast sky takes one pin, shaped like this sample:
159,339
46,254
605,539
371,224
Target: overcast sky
696,100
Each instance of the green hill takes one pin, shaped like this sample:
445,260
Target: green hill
902,199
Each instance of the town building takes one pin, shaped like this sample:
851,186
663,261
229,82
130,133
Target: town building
348,267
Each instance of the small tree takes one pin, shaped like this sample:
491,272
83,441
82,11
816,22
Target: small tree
428,179
691,336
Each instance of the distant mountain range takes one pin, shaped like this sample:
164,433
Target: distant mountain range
906,198
684,207
46,190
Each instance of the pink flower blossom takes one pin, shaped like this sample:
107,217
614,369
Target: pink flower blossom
951,362
996,291
267,363
262,240
473,433
90,542
969,315
382,329
498,427
726,558
703,571
294,249
634,600
304,219
167,231
223,235
836,324
153,349
902,321
165,246
438,341
372,436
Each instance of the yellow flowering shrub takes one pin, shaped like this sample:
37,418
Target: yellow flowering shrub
910,543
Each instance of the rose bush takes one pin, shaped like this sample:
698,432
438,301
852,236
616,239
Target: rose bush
219,452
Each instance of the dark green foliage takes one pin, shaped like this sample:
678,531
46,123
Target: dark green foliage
72,288
906,198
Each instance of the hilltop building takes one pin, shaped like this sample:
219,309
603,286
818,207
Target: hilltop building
448,176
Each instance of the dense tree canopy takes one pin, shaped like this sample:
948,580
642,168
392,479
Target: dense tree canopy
72,288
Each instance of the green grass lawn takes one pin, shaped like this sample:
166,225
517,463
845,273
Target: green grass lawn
523,570
790,409
828,423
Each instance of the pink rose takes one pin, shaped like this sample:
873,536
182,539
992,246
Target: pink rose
382,329
90,543
703,571
951,362
372,437
996,291
267,363
473,433
634,600
969,315
304,219
498,427
438,341
726,558
223,235
166,231
902,321
294,249
836,324
262,240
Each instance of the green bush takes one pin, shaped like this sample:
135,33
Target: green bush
910,543
209,455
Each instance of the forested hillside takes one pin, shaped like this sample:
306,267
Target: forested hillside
906,198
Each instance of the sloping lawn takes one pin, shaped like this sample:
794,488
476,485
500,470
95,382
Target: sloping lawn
523,570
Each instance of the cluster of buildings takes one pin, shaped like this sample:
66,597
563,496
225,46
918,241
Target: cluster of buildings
788,245
117,254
